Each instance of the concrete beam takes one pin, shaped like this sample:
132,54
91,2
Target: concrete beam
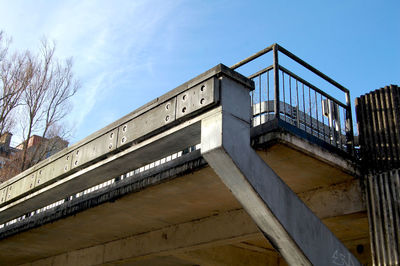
230,256
232,228
315,150
168,142
300,237
227,228
181,104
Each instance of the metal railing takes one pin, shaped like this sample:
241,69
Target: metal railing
283,95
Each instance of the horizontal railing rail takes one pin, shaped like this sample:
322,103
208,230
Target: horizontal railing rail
311,68
265,70
254,56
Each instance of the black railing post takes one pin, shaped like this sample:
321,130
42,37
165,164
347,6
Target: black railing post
275,49
349,125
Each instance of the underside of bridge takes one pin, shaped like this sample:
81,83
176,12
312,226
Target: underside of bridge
197,185
189,217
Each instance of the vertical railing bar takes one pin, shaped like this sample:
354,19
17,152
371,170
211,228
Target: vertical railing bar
259,103
331,126
252,106
276,80
335,122
309,101
323,118
337,126
342,146
283,93
304,110
298,106
345,131
252,100
340,132
267,95
349,121
290,98
316,112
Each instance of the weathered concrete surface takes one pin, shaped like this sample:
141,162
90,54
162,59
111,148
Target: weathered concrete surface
295,231
198,195
164,209
159,146
184,102
192,218
232,255
265,138
289,162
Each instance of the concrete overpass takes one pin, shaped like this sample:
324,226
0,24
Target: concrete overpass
207,174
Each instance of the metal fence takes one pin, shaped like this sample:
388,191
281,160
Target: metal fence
283,95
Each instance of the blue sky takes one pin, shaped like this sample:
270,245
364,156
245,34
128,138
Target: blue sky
127,53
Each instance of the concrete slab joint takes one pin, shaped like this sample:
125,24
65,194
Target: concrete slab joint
299,235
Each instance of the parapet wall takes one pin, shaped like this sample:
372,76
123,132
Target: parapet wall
171,109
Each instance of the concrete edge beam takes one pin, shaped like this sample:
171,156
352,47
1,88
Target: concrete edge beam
314,150
186,164
170,141
165,111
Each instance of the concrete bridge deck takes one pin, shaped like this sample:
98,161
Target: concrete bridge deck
181,213
176,208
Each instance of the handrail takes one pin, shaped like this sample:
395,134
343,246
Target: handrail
254,56
262,71
311,68
293,57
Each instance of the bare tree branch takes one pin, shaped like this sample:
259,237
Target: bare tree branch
34,90
45,98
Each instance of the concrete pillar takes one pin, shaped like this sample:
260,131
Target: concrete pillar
300,237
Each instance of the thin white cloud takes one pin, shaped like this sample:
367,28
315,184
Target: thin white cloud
106,45
108,39
86,99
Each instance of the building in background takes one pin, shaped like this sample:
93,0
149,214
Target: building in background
38,149
6,151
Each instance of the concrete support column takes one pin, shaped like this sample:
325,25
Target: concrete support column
284,219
